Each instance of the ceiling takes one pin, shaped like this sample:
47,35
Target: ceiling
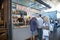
35,4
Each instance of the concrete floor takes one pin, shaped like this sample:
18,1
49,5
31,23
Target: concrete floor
21,33
24,33
58,33
55,35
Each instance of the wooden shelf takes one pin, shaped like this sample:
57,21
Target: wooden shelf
2,30
3,34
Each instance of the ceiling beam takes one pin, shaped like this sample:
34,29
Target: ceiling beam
41,2
1,3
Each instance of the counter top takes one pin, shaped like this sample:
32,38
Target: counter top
21,33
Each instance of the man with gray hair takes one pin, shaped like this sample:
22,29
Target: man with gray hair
40,26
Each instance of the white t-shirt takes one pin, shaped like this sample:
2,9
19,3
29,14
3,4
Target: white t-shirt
40,22
45,32
45,24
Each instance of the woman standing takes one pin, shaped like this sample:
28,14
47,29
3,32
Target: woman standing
33,27
46,28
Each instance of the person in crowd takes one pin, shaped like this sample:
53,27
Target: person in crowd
46,28
33,27
51,20
51,25
40,26
20,20
28,20
55,25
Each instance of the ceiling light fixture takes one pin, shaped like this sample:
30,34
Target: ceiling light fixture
41,2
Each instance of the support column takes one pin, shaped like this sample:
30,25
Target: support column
7,18
9,5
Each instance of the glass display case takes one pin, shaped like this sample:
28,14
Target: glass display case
18,17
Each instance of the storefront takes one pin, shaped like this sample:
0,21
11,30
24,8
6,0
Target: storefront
15,15
19,10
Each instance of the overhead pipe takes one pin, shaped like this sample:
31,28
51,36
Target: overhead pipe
41,2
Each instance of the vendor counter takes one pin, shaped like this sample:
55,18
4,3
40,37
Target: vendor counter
21,33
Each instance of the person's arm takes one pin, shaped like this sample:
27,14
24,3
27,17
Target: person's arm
47,26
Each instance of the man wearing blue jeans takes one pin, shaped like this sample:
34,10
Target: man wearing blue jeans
40,33
40,25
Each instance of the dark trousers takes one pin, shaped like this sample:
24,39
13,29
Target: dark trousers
40,33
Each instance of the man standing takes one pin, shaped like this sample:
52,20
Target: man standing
40,25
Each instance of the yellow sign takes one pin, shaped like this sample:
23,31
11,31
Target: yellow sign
33,0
